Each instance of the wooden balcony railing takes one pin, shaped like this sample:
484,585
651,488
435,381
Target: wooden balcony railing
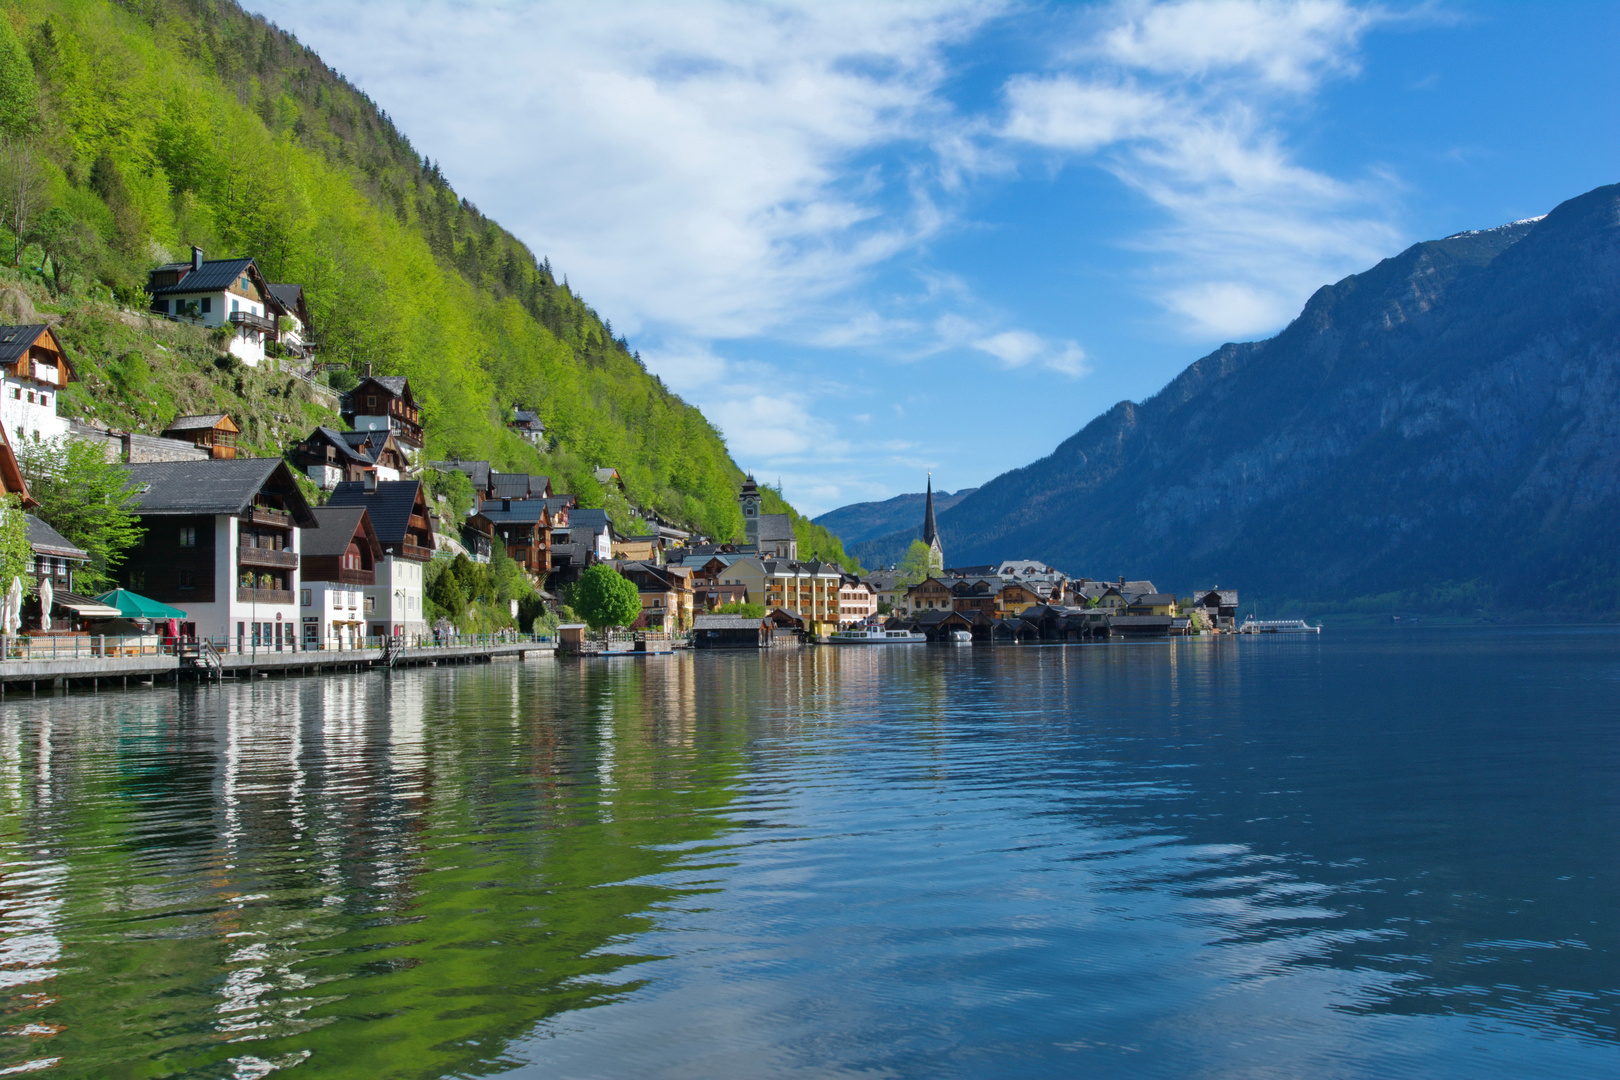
252,321
416,551
349,576
264,515
263,596
260,556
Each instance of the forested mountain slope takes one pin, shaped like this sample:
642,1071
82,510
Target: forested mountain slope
1443,428
140,128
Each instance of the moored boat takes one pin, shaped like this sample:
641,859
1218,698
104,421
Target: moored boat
862,636
1252,625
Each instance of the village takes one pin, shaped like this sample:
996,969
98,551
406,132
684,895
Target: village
239,555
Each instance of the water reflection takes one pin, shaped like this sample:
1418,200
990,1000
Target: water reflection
1363,856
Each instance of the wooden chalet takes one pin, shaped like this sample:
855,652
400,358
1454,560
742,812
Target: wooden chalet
330,457
385,403
524,527
399,514
214,432
343,548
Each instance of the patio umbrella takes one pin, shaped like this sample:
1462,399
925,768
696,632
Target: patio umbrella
135,606
46,595
14,597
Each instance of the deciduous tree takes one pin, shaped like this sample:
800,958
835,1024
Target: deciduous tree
604,597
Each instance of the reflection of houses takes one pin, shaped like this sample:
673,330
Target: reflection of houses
329,457
219,292
527,424
214,433
221,543
385,403
339,561
35,371
404,527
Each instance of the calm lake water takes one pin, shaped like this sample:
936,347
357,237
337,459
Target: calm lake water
1380,853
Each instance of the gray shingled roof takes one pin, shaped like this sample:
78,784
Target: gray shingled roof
337,525
47,541
195,423
726,622
583,518
514,485
15,340
211,486
477,471
287,295
517,512
774,527
390,505
216,275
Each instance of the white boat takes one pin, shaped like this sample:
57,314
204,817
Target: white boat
962,637
878,636
1252,625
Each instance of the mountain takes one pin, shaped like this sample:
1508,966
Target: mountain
1442,429
139,129
870,520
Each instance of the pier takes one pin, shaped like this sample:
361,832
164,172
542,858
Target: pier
92,661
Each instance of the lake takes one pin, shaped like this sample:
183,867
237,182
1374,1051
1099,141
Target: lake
1378,853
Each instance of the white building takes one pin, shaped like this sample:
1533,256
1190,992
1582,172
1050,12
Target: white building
221,542
339,561
35,371
216,292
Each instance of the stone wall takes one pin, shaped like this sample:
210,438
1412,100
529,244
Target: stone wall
133,448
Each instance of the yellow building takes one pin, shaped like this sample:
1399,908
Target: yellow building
809,590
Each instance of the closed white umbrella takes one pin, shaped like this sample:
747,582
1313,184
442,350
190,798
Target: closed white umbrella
14,606
46,595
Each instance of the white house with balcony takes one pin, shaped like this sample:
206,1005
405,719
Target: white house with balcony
219,292
35,371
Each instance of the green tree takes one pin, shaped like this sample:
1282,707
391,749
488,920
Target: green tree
59,236
19,95
16,557
741,607
454,487
86,498
917,564
604,597
446,592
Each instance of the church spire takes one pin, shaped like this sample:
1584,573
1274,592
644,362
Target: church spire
930,530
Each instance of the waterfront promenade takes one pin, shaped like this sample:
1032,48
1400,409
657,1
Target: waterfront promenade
96,661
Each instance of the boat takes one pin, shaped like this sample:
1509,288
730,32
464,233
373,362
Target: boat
1252,625
878,636
962,637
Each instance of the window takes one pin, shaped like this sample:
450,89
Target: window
16,394
188,536
187,579
161,307
236,305
371,402
30,397
44,399
371,604
207,304
240,629
304,598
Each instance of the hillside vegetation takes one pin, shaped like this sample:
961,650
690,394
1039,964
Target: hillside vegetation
133,131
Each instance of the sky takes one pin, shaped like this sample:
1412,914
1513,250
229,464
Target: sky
876,240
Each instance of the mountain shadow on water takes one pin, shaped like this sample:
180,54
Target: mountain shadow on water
1443,428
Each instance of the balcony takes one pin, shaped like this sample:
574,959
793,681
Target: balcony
264,515
239,319
261,556
263,596
417,552
347,576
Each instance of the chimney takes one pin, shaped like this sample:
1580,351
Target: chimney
1122,581
196,258
371,479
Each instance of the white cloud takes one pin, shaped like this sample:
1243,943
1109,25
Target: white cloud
1187,104
695,167
1017,348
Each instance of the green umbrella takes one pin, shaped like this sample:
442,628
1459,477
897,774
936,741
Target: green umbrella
135,606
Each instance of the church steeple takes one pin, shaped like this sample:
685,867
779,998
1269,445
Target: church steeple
936,553
930,530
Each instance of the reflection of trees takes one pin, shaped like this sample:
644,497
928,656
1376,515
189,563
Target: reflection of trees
386,875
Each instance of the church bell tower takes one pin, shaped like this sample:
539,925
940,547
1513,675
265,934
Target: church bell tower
750,499
936,553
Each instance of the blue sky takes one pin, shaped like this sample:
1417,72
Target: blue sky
872,240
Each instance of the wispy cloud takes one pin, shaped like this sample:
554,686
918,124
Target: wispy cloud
1189,104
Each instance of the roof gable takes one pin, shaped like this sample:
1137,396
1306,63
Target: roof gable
391,504
214,486
337,527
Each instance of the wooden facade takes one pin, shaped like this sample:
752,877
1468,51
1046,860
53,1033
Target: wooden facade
216,433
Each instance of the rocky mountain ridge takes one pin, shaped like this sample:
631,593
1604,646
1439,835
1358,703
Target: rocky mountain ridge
1445,425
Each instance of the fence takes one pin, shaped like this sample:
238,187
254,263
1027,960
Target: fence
83,646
